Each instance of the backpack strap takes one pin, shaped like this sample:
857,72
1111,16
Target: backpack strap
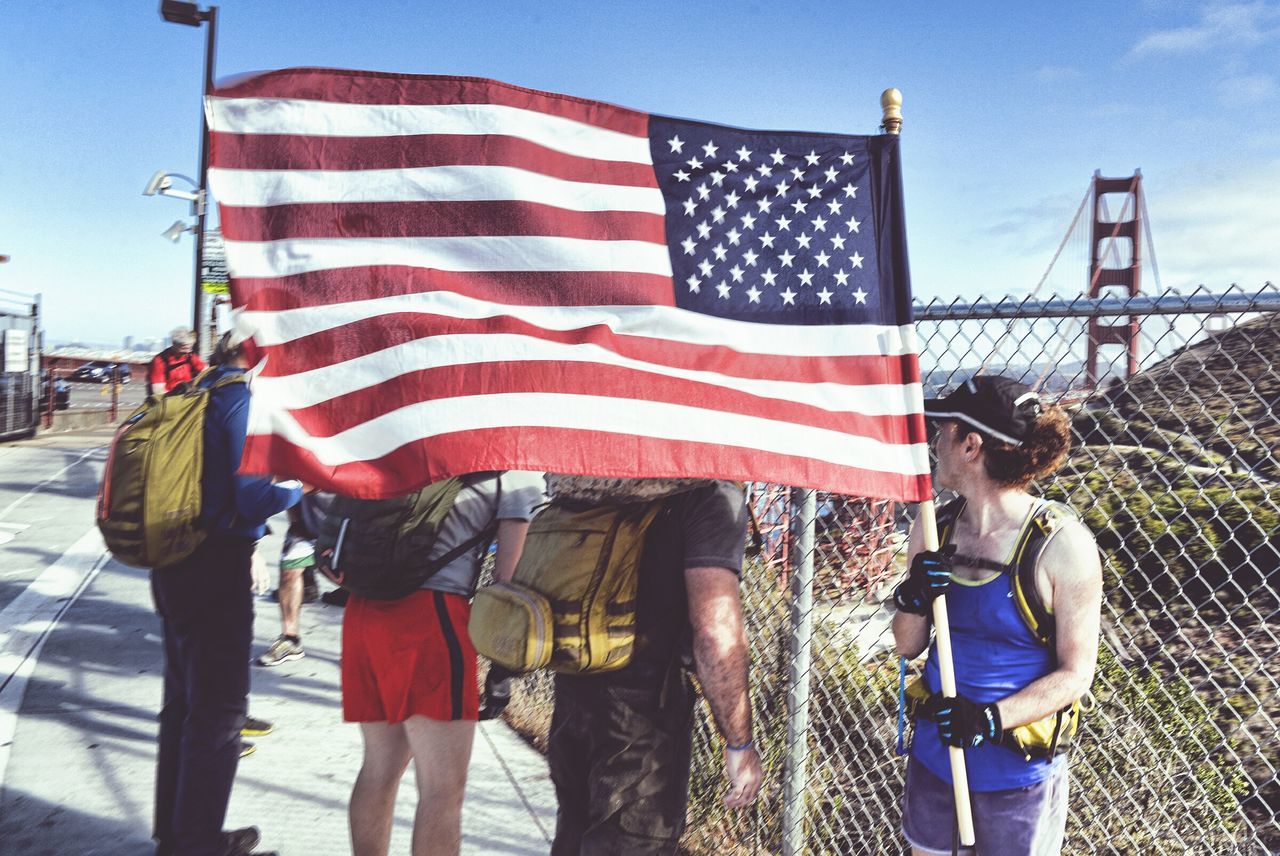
947,516
1044,524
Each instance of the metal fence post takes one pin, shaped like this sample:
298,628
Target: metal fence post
796,768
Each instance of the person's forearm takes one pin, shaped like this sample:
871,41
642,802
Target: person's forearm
722,663
1042,697
511,534
257,498
910,634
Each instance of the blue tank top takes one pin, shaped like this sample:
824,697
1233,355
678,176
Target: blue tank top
995,656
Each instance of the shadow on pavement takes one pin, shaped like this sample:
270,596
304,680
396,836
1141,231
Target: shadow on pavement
33,827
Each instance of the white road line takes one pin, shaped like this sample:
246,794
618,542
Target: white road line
11,506
26,623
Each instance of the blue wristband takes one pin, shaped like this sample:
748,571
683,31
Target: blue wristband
750,744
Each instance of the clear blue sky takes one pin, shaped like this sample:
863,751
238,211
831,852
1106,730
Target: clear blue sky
1009,107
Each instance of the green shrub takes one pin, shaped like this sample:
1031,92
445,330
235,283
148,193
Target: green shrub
1152,772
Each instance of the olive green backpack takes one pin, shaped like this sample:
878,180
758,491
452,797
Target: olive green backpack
149,500
571,603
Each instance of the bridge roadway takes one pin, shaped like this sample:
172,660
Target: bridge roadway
80,684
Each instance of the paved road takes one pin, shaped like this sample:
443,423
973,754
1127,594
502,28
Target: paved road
80,663
95,396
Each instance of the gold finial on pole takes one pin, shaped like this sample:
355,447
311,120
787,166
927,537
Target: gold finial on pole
891,104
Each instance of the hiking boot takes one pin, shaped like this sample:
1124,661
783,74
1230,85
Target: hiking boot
282,650
241,840
254,727
235,842
247,748
337,597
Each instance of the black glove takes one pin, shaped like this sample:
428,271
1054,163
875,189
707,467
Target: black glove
497,692
927,580
963,723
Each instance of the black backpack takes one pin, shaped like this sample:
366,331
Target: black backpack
377,548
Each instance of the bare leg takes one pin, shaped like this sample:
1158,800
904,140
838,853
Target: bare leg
441,752
373,799
290,596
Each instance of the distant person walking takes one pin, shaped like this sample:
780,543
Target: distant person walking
1023,584
297,562
175,364
205,603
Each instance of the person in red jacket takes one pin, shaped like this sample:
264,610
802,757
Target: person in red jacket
175,364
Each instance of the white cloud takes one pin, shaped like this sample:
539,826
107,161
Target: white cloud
1247,90
1221,26
1216,225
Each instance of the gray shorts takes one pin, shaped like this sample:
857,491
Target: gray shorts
1028,821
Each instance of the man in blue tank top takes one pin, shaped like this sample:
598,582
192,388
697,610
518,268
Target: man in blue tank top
994,438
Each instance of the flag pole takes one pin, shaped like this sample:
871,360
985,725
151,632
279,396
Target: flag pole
891,105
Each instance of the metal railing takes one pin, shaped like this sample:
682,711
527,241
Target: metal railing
1177,473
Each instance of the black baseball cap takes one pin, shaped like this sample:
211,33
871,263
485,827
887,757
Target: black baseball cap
994,405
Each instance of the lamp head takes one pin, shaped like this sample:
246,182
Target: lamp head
174,232
160,181
177,12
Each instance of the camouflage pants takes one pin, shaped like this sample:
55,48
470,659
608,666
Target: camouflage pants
619,758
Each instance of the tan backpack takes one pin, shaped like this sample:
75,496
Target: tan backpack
150,498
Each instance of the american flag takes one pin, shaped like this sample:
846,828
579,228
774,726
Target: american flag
445,275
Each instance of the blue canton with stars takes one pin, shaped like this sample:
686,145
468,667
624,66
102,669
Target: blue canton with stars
779,228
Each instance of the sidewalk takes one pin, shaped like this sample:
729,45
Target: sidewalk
80,774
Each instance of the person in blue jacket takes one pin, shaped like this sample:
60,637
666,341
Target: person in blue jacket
205,604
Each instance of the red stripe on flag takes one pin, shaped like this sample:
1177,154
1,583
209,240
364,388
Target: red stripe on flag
520,288
429,219
369,335
422,462
371,87
590,379
286,151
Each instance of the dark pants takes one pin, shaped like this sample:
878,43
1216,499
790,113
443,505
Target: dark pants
619,758
206,606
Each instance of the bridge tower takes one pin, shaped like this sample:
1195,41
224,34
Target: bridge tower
1115,262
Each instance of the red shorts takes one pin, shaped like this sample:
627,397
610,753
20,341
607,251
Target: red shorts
408,657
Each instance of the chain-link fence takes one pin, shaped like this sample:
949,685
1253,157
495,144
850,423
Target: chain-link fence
1177,473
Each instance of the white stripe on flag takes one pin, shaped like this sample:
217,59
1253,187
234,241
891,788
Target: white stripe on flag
387,432
332,119
289,256
304,389
263,187
681,325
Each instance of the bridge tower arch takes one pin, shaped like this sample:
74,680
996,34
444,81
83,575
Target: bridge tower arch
1115,264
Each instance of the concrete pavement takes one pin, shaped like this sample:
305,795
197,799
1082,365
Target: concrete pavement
81,700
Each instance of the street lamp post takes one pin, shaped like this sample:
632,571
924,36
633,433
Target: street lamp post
191,15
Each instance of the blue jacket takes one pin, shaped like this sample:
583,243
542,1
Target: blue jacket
235,504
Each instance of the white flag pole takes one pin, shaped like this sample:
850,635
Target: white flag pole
891,105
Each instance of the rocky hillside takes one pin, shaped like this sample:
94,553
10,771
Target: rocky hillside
1222,393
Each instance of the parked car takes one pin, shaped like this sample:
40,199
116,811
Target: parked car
102,372
61,394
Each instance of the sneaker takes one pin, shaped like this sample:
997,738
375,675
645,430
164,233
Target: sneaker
337,597
247,748
254,727
282,650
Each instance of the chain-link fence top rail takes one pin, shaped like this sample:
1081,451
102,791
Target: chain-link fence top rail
1176,471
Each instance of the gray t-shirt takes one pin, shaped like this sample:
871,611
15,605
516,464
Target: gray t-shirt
510,495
